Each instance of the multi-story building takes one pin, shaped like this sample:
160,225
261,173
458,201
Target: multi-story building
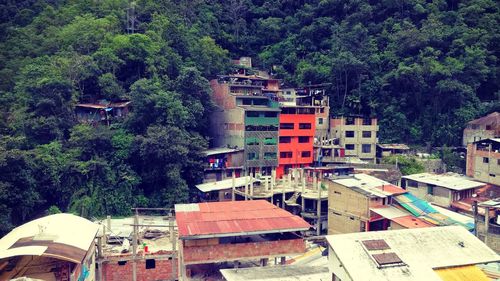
482,128
483,160
247,117
303,120
357,135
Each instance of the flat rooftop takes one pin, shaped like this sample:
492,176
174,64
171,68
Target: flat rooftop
226,219
156,237
370,186
409,254
449,180
278,273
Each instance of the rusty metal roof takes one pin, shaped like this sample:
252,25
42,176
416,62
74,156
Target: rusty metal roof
411,222
224,219
492,119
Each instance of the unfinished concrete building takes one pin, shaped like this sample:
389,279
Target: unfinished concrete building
247,116
483,160
441,189
103,112
357,135
231,232
482,128
55,247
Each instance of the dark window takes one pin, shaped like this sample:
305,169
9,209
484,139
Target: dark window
367,121
269,155
303,139
285,139
349,121
486,160
498,161
286,126
253,156
488,127
430,189
322,110
252,114
350,147
304,126
366,148
122,262
247,102
286,154
271,114
349,134
269,141
367,134
320,121
306,154
150,263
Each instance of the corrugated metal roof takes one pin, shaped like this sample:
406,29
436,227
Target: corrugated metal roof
224,184
448,180
492,119
219,219
393,146
221,150
389,212
370,186
462,273
411,222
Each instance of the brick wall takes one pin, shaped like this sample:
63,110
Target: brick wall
228,252
163,270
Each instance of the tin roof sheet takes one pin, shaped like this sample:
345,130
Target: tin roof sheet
219,219
370,186
448,180
411,222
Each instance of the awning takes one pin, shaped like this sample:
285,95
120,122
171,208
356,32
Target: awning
225,184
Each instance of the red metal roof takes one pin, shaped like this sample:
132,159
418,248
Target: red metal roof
394,190
223,218
411,222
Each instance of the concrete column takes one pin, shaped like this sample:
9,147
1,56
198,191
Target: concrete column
486,224
246,187
251,188
134,246
303,189
318,209
233,196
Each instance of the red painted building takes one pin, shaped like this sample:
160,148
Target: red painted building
296,138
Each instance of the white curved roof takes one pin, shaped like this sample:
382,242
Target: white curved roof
62,236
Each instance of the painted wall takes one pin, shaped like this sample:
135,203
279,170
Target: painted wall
348,210
338,129
164,270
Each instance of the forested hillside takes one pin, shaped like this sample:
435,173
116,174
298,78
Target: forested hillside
423,67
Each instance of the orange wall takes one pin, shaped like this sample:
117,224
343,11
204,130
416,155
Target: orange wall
294,146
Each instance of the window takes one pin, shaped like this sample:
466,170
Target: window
247,102
367,134
322,110
430,189
285,139
350,147
366,148
486,160
320,121
304,126
498,161
252,114
269,155
252,141
252,156
150,263
306,154
349,121
492,175
122,262
367,121
349,134
286,126
303,139
269,141
271,114
286,154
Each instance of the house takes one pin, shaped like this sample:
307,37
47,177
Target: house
247,116
488,229
483,160
103,112
155,256
441,189
350,200
222,162
237,231
358,135
388,149
55,247
483,128
434,253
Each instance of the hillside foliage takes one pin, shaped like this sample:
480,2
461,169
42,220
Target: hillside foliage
424,68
